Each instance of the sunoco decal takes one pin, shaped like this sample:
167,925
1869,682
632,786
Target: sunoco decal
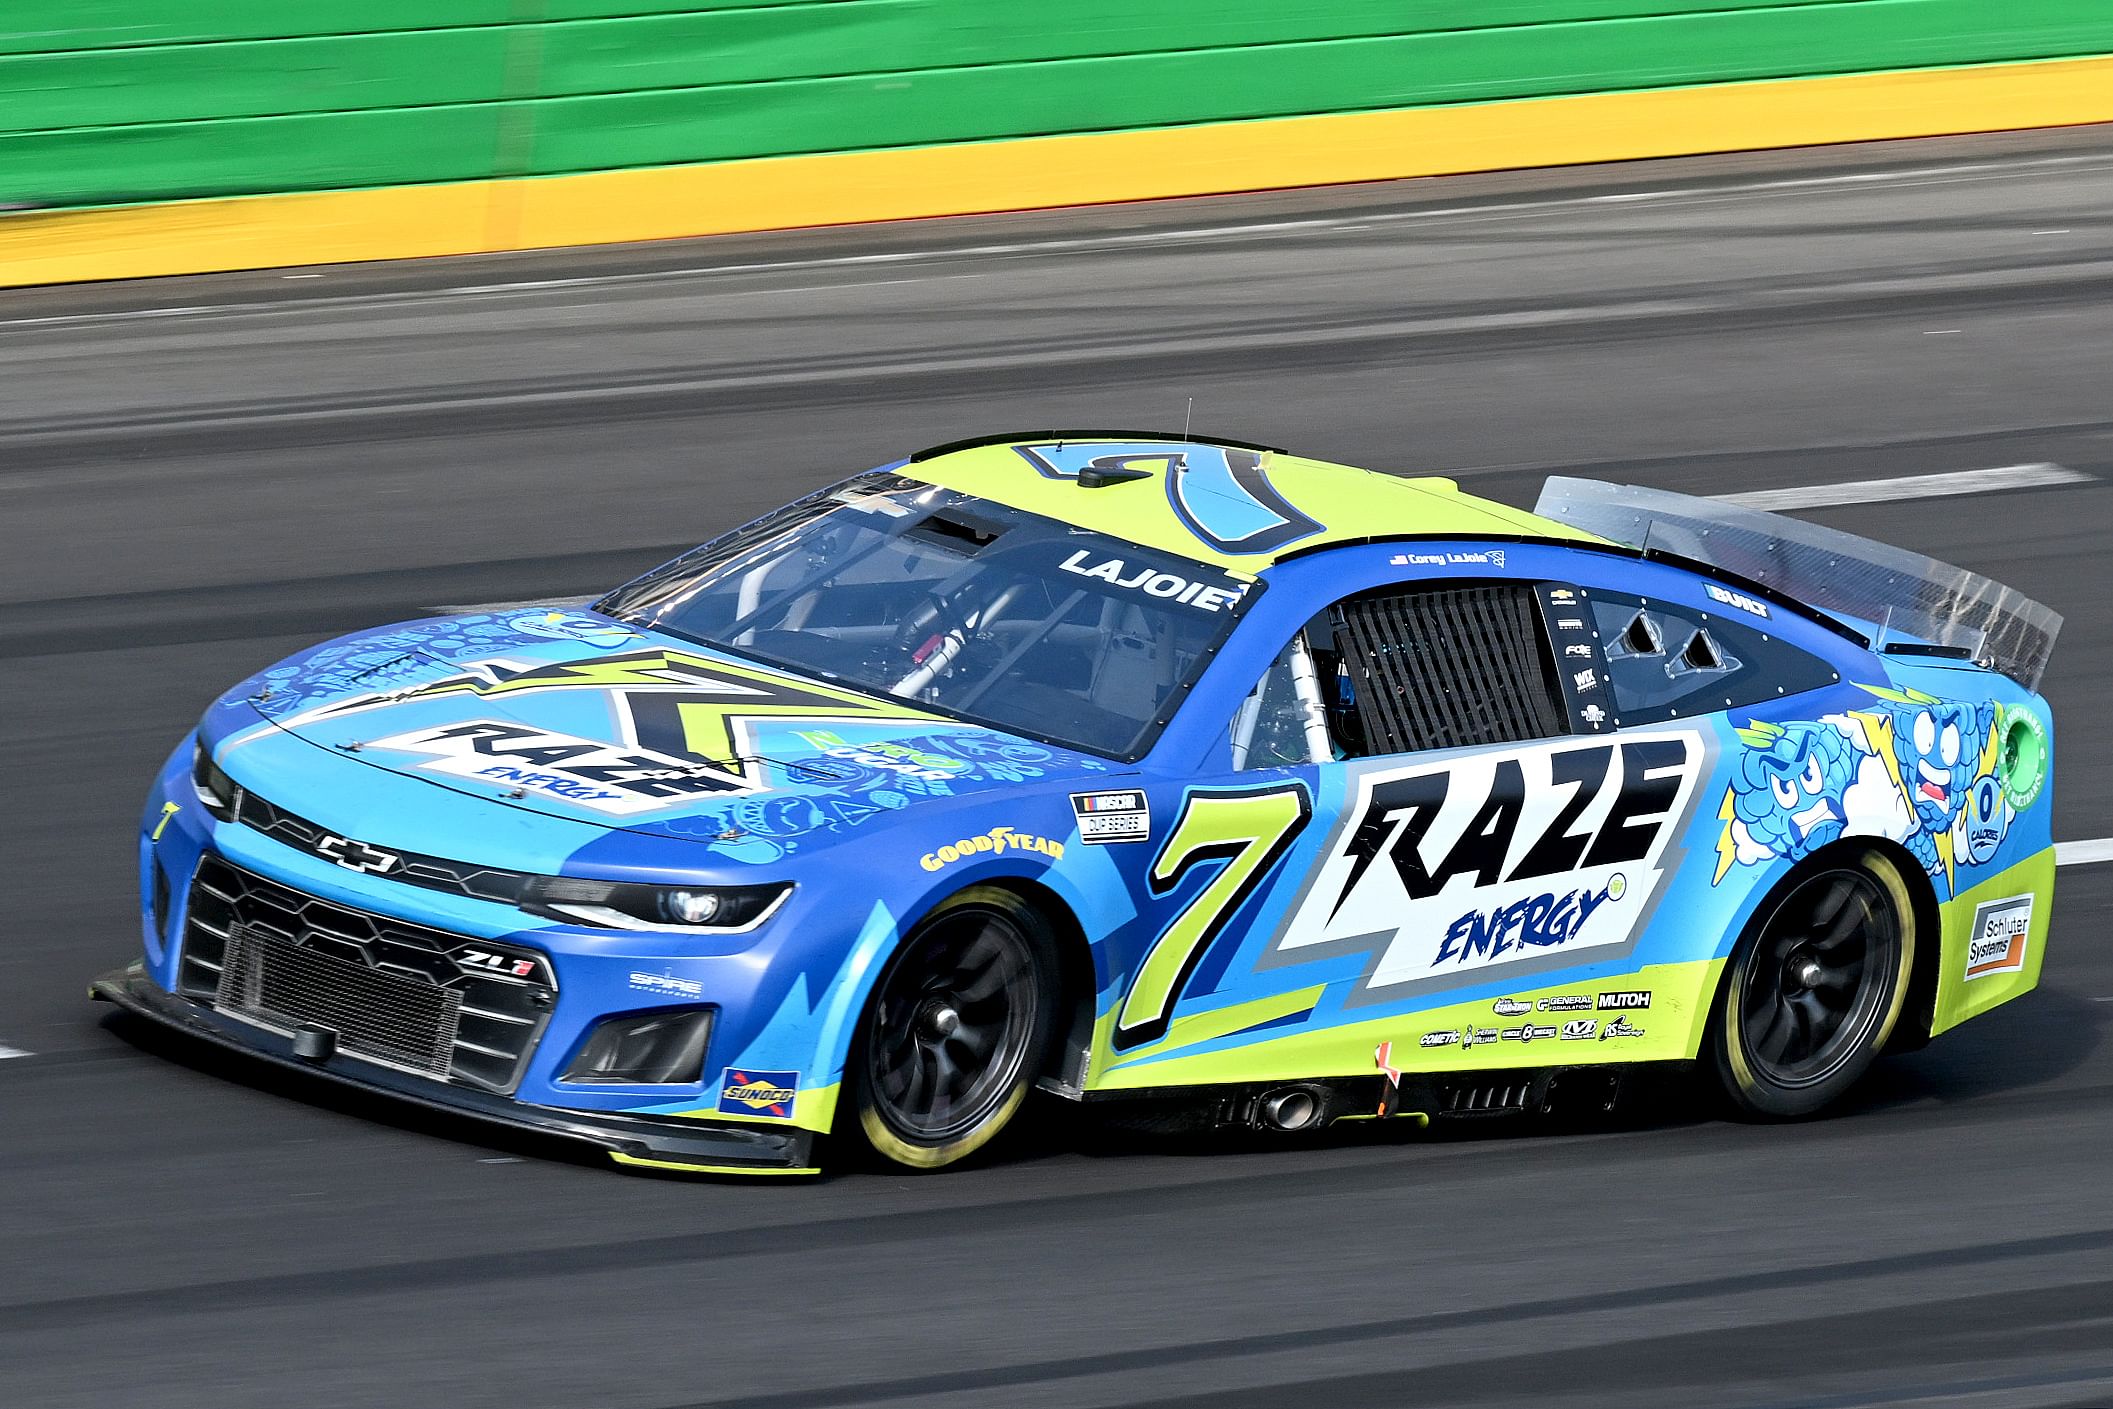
747,1091
1520,860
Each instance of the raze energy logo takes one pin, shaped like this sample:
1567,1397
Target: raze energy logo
583,771
1522,860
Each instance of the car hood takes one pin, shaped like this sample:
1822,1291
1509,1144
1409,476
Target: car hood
575,715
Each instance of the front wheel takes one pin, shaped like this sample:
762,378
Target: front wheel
1815,989
956,1030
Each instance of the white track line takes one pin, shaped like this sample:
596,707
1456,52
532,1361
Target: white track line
7,1051
2083,853
1873,491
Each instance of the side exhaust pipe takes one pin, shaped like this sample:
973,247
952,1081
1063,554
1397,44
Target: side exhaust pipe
1292,1108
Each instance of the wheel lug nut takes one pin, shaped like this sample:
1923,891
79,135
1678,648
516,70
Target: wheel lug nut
1809,973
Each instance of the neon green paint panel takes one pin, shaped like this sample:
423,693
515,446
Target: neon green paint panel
814,1108
1656,1014
1994,941
1234,508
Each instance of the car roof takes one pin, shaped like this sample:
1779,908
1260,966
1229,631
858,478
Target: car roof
1230,503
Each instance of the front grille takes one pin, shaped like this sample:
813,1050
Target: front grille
402,1020
443,1005
410,867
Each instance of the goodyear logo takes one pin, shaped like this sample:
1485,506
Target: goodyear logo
994,841
750,1092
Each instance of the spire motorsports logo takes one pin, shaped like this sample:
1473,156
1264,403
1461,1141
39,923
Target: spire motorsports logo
1520,860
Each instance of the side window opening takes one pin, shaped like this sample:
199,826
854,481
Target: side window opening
1283,721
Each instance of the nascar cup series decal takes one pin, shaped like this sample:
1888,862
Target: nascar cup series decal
1515,861
1105,817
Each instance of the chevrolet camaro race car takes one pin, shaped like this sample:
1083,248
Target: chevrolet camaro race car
1129,767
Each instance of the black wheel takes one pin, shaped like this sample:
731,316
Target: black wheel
956,1030
1814,990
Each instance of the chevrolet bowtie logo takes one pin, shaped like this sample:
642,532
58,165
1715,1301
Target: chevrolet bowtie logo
357,855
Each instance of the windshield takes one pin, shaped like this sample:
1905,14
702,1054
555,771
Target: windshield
957,604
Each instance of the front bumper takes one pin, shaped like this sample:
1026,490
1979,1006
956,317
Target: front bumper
700,1147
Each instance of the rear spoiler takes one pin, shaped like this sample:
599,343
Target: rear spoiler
1913,601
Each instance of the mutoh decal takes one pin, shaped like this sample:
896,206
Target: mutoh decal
1521,860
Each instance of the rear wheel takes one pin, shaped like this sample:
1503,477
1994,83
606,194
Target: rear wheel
956,1031
1816,988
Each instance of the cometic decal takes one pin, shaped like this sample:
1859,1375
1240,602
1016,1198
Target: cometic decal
1521,860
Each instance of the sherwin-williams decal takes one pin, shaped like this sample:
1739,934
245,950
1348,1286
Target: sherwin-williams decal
1243,833
1220,494
1518,860
1916,770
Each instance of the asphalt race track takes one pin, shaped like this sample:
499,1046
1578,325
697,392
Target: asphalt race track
198,475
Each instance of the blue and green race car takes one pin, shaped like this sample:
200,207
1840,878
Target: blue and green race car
1126,767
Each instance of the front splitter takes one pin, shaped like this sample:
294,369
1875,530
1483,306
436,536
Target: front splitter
634,1141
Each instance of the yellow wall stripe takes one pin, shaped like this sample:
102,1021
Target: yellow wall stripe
254,232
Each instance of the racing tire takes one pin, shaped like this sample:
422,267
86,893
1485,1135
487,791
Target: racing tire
1815,988
956,1031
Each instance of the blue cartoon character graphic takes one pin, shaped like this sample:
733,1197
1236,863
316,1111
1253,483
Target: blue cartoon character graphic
1788,797
1938,748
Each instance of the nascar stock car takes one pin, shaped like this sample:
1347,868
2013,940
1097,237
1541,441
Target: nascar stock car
1125,766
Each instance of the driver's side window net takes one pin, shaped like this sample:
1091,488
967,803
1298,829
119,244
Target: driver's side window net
1442,668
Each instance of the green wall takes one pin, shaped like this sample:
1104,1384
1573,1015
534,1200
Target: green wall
111,101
